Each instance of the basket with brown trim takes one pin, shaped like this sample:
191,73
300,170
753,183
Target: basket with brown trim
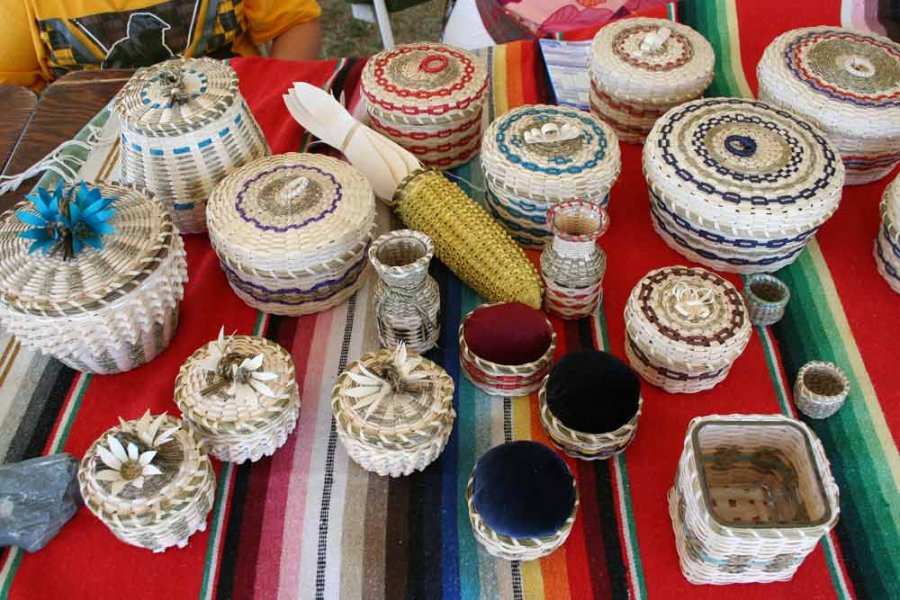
766,297
185,126
393,411
752,497
240,395
820,389
291,232
887,243
149,481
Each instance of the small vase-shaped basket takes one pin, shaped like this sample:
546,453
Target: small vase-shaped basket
766,297
821,389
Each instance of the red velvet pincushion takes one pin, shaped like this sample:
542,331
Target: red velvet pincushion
507,334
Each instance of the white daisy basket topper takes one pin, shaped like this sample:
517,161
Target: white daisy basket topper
129,465
399,382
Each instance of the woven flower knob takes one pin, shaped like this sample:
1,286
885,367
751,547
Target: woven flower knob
170,80
294,189
434,63
692,301
654,41
551,133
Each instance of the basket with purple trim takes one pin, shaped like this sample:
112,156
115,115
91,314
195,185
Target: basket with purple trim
887,244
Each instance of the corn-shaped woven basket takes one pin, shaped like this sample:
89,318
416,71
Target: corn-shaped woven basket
887,243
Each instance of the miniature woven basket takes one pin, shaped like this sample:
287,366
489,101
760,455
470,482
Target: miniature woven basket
291,232
184,126
766,297
738,185
887,243
642,67
820,389
846,82
752,497
102,311
237,421
393,428
428,98
177,484
685,327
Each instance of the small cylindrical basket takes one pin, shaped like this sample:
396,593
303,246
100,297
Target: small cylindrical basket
752,497
149,481
766,297
887,243
243,414
821,389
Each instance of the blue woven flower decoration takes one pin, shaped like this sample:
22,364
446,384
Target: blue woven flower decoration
70,220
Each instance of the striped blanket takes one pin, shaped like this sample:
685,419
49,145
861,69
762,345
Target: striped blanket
307,522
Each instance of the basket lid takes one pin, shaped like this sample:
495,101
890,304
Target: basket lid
424,79
651,60
299,210
890,209
551,153
50,285
176,97
743,167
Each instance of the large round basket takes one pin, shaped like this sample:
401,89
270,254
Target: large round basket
149,481
887,243
103,310
184,126
846,82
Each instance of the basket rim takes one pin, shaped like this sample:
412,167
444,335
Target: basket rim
832,369
611,437
767,278
499,368
400,234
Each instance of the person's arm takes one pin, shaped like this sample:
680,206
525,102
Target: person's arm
300,42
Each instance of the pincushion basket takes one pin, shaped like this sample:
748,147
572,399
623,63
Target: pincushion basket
242,411
118,307
184,126
291,232
642,67
752,497
393,411
847,82
820,389
685,327
887,243
176,488
738,185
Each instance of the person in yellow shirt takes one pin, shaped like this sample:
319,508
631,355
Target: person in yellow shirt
41,40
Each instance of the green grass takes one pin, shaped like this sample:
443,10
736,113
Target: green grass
345,36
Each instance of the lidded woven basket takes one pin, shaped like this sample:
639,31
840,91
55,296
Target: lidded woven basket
739,185
536,156
848,84
684,328
887,244
103,310
184,126
752,497
428,98
239,393
393,411
149,481
642,67
291,231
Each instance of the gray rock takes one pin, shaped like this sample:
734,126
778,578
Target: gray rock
37,497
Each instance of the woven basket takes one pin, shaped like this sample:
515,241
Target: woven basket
820,389
739,185
291,232
103,311
887,244
171,505
234,426
752,497
685,327
407,298
536,156
184,126
638,72
766,297
398,433
847,83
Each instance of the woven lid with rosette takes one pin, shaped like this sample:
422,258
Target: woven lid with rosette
743,168
424,82
551,154
651,61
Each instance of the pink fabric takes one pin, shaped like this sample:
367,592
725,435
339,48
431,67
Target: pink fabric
559,16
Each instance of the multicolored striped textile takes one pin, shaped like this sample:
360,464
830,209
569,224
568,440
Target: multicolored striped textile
309,523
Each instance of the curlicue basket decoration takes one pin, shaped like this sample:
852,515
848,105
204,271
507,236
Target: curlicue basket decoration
887,243
739,185
92,276
239,394
393,411
149,481
752,497
821,389
291,232
684,328
642,67
184,126
847,83
766,297
536,156
428,98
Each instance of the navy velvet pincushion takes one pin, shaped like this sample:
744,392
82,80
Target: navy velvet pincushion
593,391
523,489
508,334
